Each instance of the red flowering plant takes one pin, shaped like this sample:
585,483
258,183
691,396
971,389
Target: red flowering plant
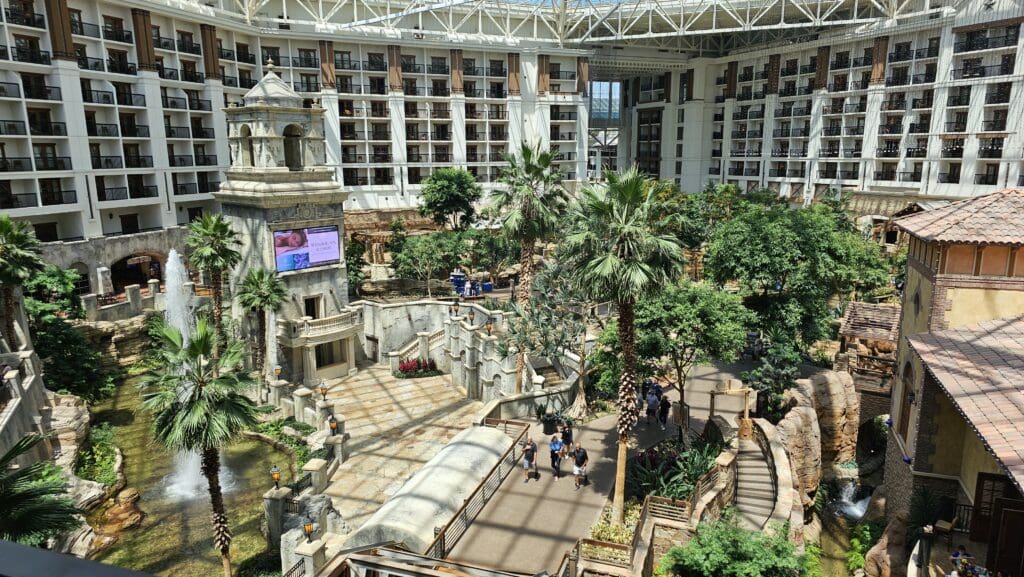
415,368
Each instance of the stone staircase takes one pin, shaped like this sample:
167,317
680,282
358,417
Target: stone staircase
551,377
755,493
396,425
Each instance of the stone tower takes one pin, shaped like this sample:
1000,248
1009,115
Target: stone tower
283,200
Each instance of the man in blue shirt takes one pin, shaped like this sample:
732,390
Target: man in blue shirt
556,447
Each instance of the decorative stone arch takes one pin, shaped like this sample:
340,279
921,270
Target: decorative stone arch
294,154
85,284
496,386
246,153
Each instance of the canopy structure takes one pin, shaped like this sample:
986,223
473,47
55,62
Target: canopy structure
704,25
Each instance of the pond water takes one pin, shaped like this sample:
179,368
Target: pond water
175,537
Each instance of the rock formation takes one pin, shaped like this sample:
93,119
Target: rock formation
838,409
800,433
67,418
888,558
120,343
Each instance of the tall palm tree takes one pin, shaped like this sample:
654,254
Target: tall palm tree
213,243
34,505
19,258
198,404
530,205
263,293
621,251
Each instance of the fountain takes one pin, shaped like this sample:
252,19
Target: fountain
187,481
177,299
850,505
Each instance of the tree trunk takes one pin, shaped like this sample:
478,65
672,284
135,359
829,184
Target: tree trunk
524,289
579,407
221,531
627,404
9,312
217,280
261,354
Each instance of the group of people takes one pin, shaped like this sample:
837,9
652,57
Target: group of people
561,447
657,402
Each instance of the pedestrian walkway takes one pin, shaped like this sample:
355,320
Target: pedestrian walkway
528,527
396,425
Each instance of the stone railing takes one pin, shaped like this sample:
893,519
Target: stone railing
306,327
766,437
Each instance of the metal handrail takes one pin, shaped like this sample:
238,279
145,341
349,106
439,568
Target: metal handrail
448,535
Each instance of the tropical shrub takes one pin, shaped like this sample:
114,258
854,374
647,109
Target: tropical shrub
71,363
671,470
723,549
611,532
863,537
96,462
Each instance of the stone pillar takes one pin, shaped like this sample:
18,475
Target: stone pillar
324,410
314,555
340,443
154,288
513,74
393,360
142,23
350,352
583,76
92,307
472,367
309,365
317,469
300,398
277,389
133,294
273,512
423,345
211,51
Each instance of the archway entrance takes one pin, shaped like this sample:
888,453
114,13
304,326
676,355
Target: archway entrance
135,269
293,147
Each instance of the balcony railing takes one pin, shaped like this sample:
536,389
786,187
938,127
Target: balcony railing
58,197
174,102
53,163
88,63
246,57
983,71
189,47
832,130
959,100
192,76
438,69
897,105
21,18
848,174
98,97
48,128
135,131
917,152
102,162
102,130
924,78
246,82
12,164
863,61
167,73
887,153
307,86
854,130
31,56
829,153
985,178
956,127
952,152
562,75
855,107
949,177
131,99
885,175
990,152
900,56
40,92
497,72
12,128
994,125
225,54
138,161
839,63
997,97
927,52
179,160
897,80
229,81
412,68
10,200
917,103
209,186
891,129
110,194
186,188
305,62
206,160
983,43
147,191
910,177
851,153
375,65
122,67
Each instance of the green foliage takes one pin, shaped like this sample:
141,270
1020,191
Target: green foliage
723,549
396,242
71,363
213,243
533,200
778,371
605,362
689,324
34,504
485,250
812,560
792,262
863,537
924,510
355,260
261,290
607,530
264,565
52,291
448,196
274,428
96,462
671,470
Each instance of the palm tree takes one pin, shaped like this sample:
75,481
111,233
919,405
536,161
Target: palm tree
530,204
198,404
263,293
33,503
620,251
213,243
19,258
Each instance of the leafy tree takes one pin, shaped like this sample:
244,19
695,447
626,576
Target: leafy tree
52,291
690,324
262,293
488,251
19,260
449,195
619,251
606,364
529,205
71,363
355,260
198,404
34,504
424,256
791,263
213,243
778,371
396,242
723,549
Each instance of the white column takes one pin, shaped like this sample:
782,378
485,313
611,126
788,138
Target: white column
332,129
528,87
396,118
458,112
78,143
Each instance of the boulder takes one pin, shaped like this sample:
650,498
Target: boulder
799,433
838,409
888,558
127,497
83,542
86,494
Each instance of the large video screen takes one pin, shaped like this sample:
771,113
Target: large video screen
306,247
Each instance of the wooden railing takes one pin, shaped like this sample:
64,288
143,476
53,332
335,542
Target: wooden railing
606,553
448,535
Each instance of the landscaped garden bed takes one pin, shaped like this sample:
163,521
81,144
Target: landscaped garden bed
417,369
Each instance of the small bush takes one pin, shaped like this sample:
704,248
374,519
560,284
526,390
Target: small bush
812,560
670,470
723,548
606,530
417,368
863,537
96,462
274,429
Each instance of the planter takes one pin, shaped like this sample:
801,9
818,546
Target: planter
550,426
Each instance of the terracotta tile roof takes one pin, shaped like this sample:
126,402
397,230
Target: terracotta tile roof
981,369
996,218
871,321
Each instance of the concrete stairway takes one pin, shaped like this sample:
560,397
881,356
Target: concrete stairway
396,425
755,494
551,377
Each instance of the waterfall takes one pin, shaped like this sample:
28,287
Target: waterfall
177,298
849,505
187,481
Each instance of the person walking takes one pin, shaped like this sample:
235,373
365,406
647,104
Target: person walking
529,458
566,437
663,409
579,465
652,406
557,449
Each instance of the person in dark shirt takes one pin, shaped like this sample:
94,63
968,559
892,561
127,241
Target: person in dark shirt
529,458
663,409
567,437
579,465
